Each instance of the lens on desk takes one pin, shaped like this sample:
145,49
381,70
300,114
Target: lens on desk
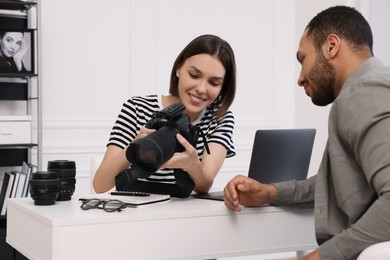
66,171
44,187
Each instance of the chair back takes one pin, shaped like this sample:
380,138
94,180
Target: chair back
379,251
95,163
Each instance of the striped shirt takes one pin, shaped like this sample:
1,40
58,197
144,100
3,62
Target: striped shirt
138,110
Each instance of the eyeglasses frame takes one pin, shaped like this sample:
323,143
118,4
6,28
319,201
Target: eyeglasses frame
102,203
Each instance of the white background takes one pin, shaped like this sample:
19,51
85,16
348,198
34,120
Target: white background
97,53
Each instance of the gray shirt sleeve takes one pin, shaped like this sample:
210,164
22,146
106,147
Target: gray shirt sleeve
296,193
371,228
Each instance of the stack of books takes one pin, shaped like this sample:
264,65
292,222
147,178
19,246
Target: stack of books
15,185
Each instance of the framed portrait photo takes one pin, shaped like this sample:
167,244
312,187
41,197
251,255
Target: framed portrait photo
17,52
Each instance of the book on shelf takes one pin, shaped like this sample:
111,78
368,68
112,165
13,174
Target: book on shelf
8,182
4,188
26,169
15,185
20,185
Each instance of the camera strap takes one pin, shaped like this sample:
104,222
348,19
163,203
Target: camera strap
199,131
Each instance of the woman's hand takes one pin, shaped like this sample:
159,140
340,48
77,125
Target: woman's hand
143,131
19,55
182,160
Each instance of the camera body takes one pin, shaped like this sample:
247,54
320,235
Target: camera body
173,117
149,153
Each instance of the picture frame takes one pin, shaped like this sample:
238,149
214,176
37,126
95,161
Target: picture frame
17,52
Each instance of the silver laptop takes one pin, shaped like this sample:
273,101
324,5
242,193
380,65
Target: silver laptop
277,155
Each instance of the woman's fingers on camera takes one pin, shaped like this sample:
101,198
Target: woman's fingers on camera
187,146
143,131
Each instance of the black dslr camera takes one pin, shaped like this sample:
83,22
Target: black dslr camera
147,154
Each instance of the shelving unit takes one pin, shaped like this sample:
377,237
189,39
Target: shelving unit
20,95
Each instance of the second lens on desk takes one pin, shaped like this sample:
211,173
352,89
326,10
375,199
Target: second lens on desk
66,171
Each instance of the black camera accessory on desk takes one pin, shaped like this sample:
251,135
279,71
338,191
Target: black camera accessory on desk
149,153
66,171
44,187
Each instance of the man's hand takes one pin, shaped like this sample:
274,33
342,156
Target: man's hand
315,255
242,190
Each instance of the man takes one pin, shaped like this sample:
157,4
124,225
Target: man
351,191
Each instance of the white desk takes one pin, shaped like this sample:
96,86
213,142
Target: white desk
181,229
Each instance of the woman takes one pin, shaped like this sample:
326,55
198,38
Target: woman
203,79
12,50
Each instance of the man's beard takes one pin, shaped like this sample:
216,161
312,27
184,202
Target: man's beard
322,80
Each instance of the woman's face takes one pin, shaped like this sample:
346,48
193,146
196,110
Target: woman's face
11,43
201,79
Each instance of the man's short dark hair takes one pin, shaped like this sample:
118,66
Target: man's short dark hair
344,21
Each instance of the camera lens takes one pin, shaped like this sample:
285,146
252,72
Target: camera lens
66,171
150,152
44,187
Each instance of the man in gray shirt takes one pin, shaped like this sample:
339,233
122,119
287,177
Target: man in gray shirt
351,191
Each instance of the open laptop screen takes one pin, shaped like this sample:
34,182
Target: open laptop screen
281,154
277,155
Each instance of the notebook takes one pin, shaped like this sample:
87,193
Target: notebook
132,199
277,155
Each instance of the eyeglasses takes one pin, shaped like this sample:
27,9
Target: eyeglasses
107,205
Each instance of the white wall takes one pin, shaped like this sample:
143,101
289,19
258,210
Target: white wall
98,53
376,12
85,77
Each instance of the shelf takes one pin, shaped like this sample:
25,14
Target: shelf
18,75
13,156
16,5
23,89
13,91
17,146
13,22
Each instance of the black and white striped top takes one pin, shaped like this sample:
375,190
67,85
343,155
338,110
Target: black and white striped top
138,110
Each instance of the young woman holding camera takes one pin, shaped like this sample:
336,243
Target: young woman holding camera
203,80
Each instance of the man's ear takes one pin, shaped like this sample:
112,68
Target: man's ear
332,45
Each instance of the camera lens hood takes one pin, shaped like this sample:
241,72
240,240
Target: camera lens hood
64,167
66,171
